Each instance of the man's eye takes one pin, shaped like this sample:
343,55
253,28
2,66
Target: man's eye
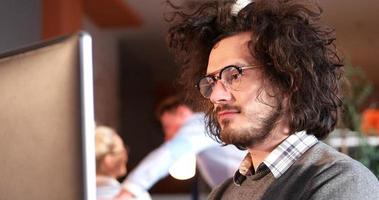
235,76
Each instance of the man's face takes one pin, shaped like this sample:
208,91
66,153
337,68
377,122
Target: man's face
245,114
118,158
171,123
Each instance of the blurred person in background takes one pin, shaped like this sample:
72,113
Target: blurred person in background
111,160
185,135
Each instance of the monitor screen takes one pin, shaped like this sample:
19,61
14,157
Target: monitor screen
46,121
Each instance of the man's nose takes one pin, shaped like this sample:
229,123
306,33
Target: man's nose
220,94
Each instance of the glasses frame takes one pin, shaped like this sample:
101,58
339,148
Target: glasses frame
216,76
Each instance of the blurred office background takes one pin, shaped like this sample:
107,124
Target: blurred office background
133,69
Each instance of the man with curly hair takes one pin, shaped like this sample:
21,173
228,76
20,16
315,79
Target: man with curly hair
267,74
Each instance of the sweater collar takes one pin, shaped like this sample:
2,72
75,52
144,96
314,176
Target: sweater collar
280,159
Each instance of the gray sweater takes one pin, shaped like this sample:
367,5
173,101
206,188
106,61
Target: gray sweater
320,173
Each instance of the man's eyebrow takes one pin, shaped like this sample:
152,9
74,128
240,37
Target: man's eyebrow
213,73
238,64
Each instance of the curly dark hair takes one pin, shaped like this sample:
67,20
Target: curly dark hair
298,55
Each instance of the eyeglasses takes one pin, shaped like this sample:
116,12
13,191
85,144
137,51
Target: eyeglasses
230,76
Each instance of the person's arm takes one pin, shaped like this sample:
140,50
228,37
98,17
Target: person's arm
191,138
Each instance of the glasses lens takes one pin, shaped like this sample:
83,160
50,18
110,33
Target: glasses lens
205,86
231,77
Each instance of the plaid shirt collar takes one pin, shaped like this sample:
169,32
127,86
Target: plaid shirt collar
280,159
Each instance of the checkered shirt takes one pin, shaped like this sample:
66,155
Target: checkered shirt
281,158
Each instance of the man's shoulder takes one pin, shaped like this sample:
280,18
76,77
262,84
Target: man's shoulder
325,173
324,155
196,120
326,159
327,167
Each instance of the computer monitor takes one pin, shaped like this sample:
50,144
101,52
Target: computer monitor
47,121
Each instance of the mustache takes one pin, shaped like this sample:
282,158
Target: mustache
226,107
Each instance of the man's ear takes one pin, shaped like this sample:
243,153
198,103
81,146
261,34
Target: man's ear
285,103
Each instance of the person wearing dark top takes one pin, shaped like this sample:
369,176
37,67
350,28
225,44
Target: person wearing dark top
267,74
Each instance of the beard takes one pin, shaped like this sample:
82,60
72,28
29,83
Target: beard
250,135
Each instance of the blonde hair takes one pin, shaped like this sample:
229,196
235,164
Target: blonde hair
104,141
